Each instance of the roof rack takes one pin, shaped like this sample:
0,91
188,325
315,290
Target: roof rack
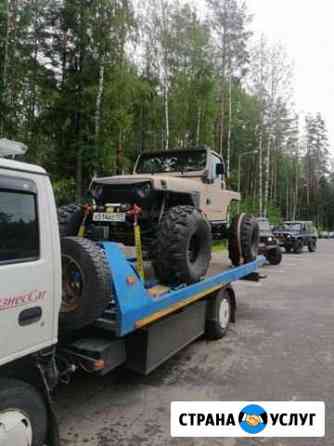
9,148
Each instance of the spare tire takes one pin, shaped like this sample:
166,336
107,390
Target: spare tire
243,239
182,249
86,283
69,219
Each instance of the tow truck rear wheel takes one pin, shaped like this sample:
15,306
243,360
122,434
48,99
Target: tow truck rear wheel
220,312
23,414
243,240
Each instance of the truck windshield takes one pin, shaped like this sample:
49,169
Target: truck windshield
186,161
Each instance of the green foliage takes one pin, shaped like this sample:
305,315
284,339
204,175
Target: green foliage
89,85
64,191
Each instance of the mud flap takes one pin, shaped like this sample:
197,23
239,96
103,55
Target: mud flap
53,437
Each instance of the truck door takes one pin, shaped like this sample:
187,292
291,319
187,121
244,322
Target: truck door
26,277
215,206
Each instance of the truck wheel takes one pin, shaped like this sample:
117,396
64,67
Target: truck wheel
86,283
23,414
182,249
312,246
220,312
274,255
244,239
298,247
69,220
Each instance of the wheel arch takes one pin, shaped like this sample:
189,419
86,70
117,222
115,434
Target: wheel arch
26,370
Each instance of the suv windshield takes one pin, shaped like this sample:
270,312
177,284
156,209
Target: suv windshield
290,227
264,225
187,161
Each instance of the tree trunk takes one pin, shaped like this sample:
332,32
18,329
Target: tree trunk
228,164
198,127
98,105
260,175
119,154
5,65
267,179
166,115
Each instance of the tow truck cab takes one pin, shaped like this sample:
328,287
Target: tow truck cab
30,261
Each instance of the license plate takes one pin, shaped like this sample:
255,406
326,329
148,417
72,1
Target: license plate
118,217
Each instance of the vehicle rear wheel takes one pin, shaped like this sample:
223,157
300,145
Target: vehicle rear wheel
182,249
69,219
274,255
312,246
220,312
23,414
298,247
244,239
86,283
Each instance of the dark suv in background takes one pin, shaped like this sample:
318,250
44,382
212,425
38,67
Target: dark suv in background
294,235
269,246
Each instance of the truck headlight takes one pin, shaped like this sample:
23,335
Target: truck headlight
270,239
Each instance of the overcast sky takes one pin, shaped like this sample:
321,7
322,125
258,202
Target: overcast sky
306,28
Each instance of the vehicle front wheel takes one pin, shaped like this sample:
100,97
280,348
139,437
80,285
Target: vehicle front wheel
298,246
23,414
182,249
312,246
274,255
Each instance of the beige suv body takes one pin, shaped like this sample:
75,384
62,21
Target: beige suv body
205,182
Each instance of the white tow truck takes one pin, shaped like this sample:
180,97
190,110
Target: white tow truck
77,303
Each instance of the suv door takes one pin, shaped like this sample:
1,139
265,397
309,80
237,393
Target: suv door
217,197
26,276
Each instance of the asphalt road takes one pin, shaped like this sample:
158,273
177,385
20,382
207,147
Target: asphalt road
281,348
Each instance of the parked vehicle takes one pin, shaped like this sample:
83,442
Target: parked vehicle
79,304
294,235
181,202
269,245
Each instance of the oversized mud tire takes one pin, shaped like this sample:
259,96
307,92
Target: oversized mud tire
312,246
69,220
21,402
86,283
274,255
243,240
182,249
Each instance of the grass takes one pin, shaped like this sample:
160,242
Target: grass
219,246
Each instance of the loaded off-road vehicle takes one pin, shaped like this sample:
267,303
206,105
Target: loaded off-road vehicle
269,245
294,235
180,202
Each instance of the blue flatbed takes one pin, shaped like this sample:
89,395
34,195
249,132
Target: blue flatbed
146,322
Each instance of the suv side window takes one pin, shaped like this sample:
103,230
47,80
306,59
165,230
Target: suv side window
214,160
19,234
